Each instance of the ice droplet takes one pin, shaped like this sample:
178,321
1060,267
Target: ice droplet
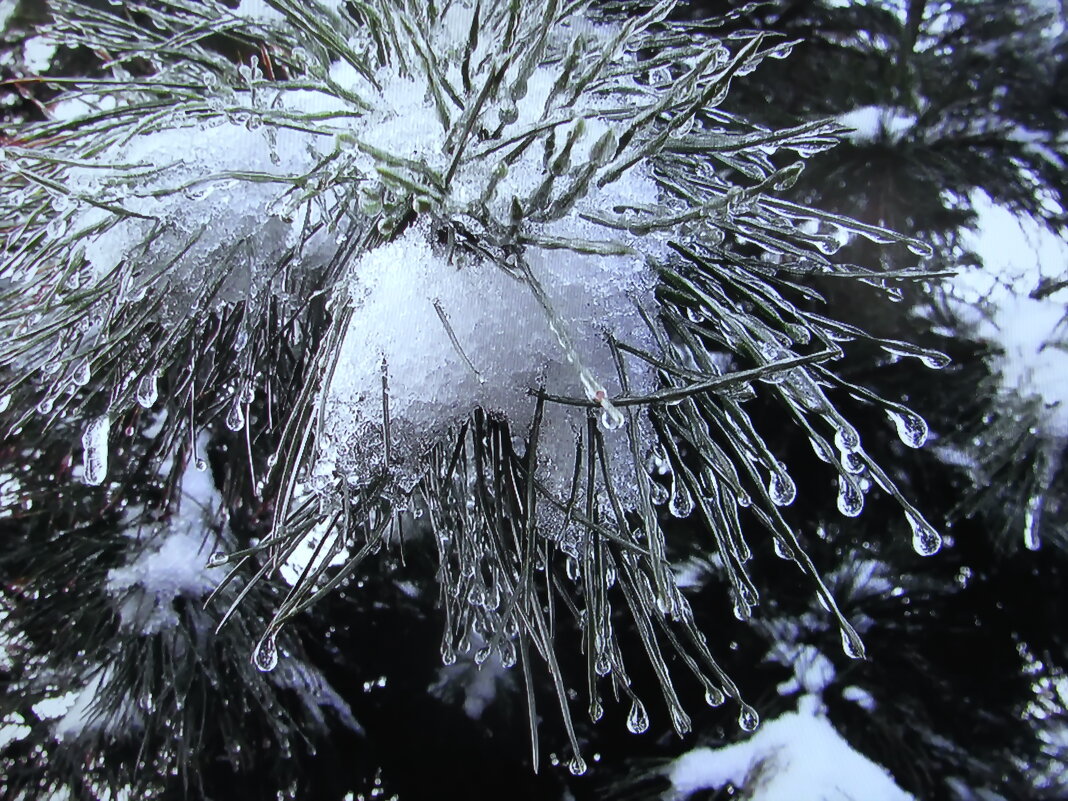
235,419
850,498
714,696
658,493
852,644
200,464
782,549
5,402
611,418
596,710
602,666
925,540
82,374
748,718
218,559
577,765
147,391
911,428
265,657
781,488
95,445
638,719
681,504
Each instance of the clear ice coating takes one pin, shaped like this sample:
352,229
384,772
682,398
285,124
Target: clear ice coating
852,645
95,450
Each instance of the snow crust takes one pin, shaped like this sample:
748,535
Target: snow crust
796,757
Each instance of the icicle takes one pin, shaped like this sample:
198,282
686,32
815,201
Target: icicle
95,445
1032,519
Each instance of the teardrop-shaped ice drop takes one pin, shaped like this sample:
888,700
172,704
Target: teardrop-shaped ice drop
748,718
577,765
925,540
95,445
265,657
782,549
911,428
638,719
781,488
235,419
714,696
850,498
147,391
851,643
218,559
681,503
82,374
658,493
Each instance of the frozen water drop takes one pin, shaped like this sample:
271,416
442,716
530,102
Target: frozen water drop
714,696
850,498
577,765
82,374
611,418
218,559
95,445
680,721
46,405
235,419
852,644
918,248
748,718
5,402
265,657
782,549
200,464
147,391
911,428
781,488
602,666
681,504
846,437
658,493
596,710
925,540
638,719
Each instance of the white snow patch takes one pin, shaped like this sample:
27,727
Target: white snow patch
796,757
84,715
38,52
7,10
1030,334
172,564
876,123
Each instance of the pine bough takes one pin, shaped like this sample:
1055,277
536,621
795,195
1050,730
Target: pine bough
504,273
